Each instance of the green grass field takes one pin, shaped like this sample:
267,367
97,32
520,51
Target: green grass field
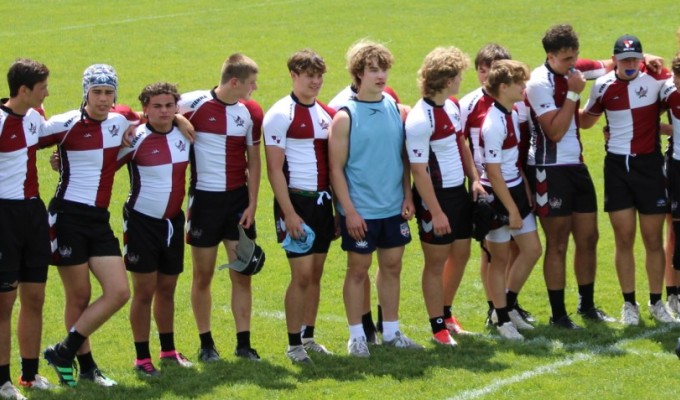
186,42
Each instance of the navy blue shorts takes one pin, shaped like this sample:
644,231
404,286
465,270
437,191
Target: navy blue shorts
382,233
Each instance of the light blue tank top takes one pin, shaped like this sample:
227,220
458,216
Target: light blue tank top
374,168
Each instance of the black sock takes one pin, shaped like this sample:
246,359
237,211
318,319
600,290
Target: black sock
511,299
167,341
207,341
4,374
243,340
502,314
629,297
69,346
437,324
671,290
86,362
556,298
142,350
308,332
447,312
294,339
29,368
379,326
367,323
490,303
654,298
586,294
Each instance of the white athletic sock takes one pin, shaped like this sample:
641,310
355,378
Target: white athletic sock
390,328
356,331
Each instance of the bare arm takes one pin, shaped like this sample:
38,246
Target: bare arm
470,169
586,119
275,160
254,171
502,192
556,123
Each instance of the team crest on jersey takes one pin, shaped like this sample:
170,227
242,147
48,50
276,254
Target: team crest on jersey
417,152
555,203
545,105
493,153
33,129
65,251
114,131
361,244
277,139
239,121
641,92
404,230
132,258
181,145
324,125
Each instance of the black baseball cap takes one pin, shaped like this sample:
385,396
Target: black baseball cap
628,46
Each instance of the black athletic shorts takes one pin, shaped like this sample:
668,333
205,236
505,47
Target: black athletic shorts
78,232
316,209
673,171
24,243
213,216
561,190
152,244
456,203
635,181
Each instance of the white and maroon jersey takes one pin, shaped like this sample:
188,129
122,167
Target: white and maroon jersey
473,109
432,138
19,136
88,150
223,134
157,163
632,109
671,101
499,143
302,132
350,93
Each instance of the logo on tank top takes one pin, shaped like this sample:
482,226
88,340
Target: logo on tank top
374,111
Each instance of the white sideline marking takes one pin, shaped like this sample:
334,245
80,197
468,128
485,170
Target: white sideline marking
143,18
553,367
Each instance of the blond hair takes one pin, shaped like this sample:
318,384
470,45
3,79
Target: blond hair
505,72
361,53
439,66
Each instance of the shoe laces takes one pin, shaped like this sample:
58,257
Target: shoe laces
146,366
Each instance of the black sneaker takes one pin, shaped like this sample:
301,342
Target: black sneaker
526,315
595,314
564,322
489,322
64,368
247,353
208,354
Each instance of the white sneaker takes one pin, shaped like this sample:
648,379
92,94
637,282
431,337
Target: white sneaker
673,305
310,345
298,355
358,347
509,331
518,321
401,341
8,391
39,382
660,313
630,314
